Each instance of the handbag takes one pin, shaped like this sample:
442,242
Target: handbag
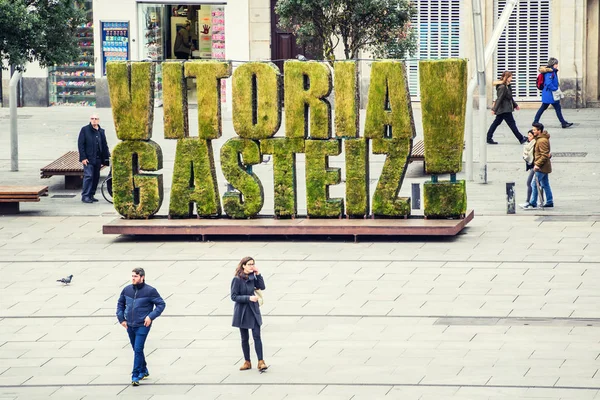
557,94
259,294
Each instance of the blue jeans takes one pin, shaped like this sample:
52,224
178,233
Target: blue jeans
91,176
137,337
545,184
544,107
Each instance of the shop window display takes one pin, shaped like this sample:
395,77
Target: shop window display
74,84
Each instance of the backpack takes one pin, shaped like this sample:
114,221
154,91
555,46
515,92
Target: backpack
539,83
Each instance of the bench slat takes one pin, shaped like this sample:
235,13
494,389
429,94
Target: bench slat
23,190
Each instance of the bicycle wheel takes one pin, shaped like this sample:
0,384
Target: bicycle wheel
106,189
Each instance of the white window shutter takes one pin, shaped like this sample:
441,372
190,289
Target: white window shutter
438,26
524,45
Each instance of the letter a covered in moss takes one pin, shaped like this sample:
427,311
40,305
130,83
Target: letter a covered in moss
346,99
208,80
357,177
175,103
137,195
443,103
194,180
131,89
386,202
256,100
284,173
249,200
319,177
389,102
306,86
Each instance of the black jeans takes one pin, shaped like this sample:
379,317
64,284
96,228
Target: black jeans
257,342
544,107
91,176
510,121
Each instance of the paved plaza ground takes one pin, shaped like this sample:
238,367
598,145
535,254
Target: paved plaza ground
508,309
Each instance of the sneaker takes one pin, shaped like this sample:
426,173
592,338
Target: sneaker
567,125
144,375
530,207
491,141
523,205
135,382
548,205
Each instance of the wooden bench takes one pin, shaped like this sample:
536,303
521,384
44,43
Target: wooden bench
11,196
69,166
418,152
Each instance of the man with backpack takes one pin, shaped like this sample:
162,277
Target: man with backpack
547,82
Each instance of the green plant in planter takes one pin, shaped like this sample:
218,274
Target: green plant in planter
208,79
250,199
389,102
175,103
445,199
194,180
126,182
131,90
307,84
346,99
386,202
256,100
284,173
357,177
443,103
319,177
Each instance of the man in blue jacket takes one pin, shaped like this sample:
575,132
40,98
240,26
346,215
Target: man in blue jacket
139,305
93,153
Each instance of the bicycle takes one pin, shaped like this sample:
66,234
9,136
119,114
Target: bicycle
106,187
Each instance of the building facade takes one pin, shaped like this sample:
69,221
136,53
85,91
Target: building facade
242,30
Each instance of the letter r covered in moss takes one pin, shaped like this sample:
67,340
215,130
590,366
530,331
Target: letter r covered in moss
307,112
137,195
194,180
236,155
131,90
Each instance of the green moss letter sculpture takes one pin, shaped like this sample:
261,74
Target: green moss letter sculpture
194,180
131,90
445,199
284,173
357,177
346,99
208,79
137,195
443,103
306,86
256,100
389,103
319,177
386,202
249,200
175,103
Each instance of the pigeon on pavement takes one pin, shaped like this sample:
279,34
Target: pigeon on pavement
66,280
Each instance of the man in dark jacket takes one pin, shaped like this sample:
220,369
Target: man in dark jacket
139,304
93,153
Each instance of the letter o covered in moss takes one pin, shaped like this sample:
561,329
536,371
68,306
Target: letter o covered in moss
256,100
137,195
131,89
250,199
443,104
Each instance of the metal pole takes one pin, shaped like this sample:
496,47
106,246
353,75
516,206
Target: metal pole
480,61
489,52
14,137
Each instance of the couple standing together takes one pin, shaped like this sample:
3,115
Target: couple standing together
505,104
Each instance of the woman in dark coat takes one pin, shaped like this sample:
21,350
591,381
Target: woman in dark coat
246,313
503,108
